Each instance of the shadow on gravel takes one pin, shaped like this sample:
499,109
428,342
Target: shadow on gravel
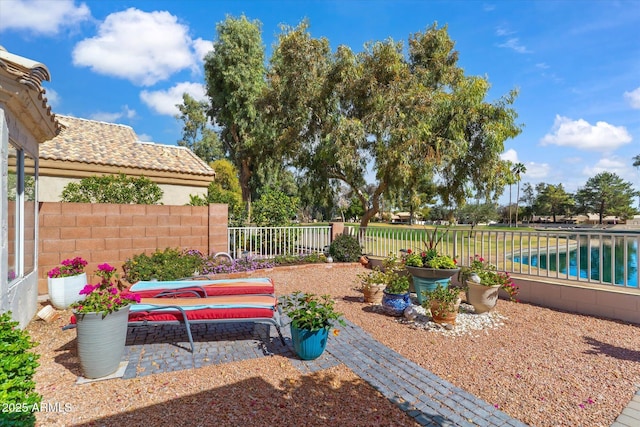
621,353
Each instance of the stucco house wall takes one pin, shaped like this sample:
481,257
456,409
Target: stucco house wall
25,122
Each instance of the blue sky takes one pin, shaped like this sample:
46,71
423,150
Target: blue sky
576,63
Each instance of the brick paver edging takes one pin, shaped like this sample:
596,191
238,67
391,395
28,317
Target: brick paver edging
630,416
430,400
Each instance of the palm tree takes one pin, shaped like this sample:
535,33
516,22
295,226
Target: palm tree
636,163
518,169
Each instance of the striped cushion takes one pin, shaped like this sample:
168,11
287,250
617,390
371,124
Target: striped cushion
149,289
211,308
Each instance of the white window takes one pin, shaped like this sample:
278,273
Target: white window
22,211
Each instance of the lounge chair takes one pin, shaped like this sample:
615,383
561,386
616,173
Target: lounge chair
205,301
217,309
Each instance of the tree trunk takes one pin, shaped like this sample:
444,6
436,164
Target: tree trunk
245,175
510,204
517,203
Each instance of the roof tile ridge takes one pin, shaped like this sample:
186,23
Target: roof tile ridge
96,121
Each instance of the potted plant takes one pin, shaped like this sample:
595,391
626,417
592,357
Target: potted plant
443,302
372,285
101,324
66,281
428,267
396,297
311,318
483,282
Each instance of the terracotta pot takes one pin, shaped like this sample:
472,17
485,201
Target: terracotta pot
441,314
373,295
364,260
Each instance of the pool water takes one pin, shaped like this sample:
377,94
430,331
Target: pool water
561,265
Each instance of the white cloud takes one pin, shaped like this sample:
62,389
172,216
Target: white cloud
514,43
165,101
107,117
53,99
633,98
504,31
142,47
42,16
510,155
202,47
536,171
573,160
613,164
581,134
145,138
542,66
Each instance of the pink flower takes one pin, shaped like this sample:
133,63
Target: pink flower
106,267
87,289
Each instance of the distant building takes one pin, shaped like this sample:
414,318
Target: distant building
88,147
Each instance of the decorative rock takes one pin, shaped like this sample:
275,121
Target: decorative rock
411,313
467,321
474,278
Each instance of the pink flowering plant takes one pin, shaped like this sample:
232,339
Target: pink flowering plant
489,275
104,297
68,267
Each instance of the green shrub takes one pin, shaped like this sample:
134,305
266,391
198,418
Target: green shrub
119,189
345,248
170,264
299,259
274,209
17,367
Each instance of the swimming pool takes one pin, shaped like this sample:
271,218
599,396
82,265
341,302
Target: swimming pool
560,264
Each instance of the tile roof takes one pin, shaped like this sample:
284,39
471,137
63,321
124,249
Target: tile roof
30,74
100,143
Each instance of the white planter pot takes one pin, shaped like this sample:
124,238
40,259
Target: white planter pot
63,291
101,341
482,298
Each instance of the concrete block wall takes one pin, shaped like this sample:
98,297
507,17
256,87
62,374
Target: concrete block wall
113,233
590,299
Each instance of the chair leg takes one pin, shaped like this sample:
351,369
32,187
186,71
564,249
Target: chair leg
280,334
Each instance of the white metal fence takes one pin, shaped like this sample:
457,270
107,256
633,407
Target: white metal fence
600,257
273,241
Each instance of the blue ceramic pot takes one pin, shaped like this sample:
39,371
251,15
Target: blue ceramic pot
427,279
307,344
394,304
423,285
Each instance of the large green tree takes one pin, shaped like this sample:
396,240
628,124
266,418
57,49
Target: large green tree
197,133
224,189
343,116
234,73
528,198
606,194
553,200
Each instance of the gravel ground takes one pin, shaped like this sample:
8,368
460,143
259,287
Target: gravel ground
543,367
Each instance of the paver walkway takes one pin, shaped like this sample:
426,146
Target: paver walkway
430,400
